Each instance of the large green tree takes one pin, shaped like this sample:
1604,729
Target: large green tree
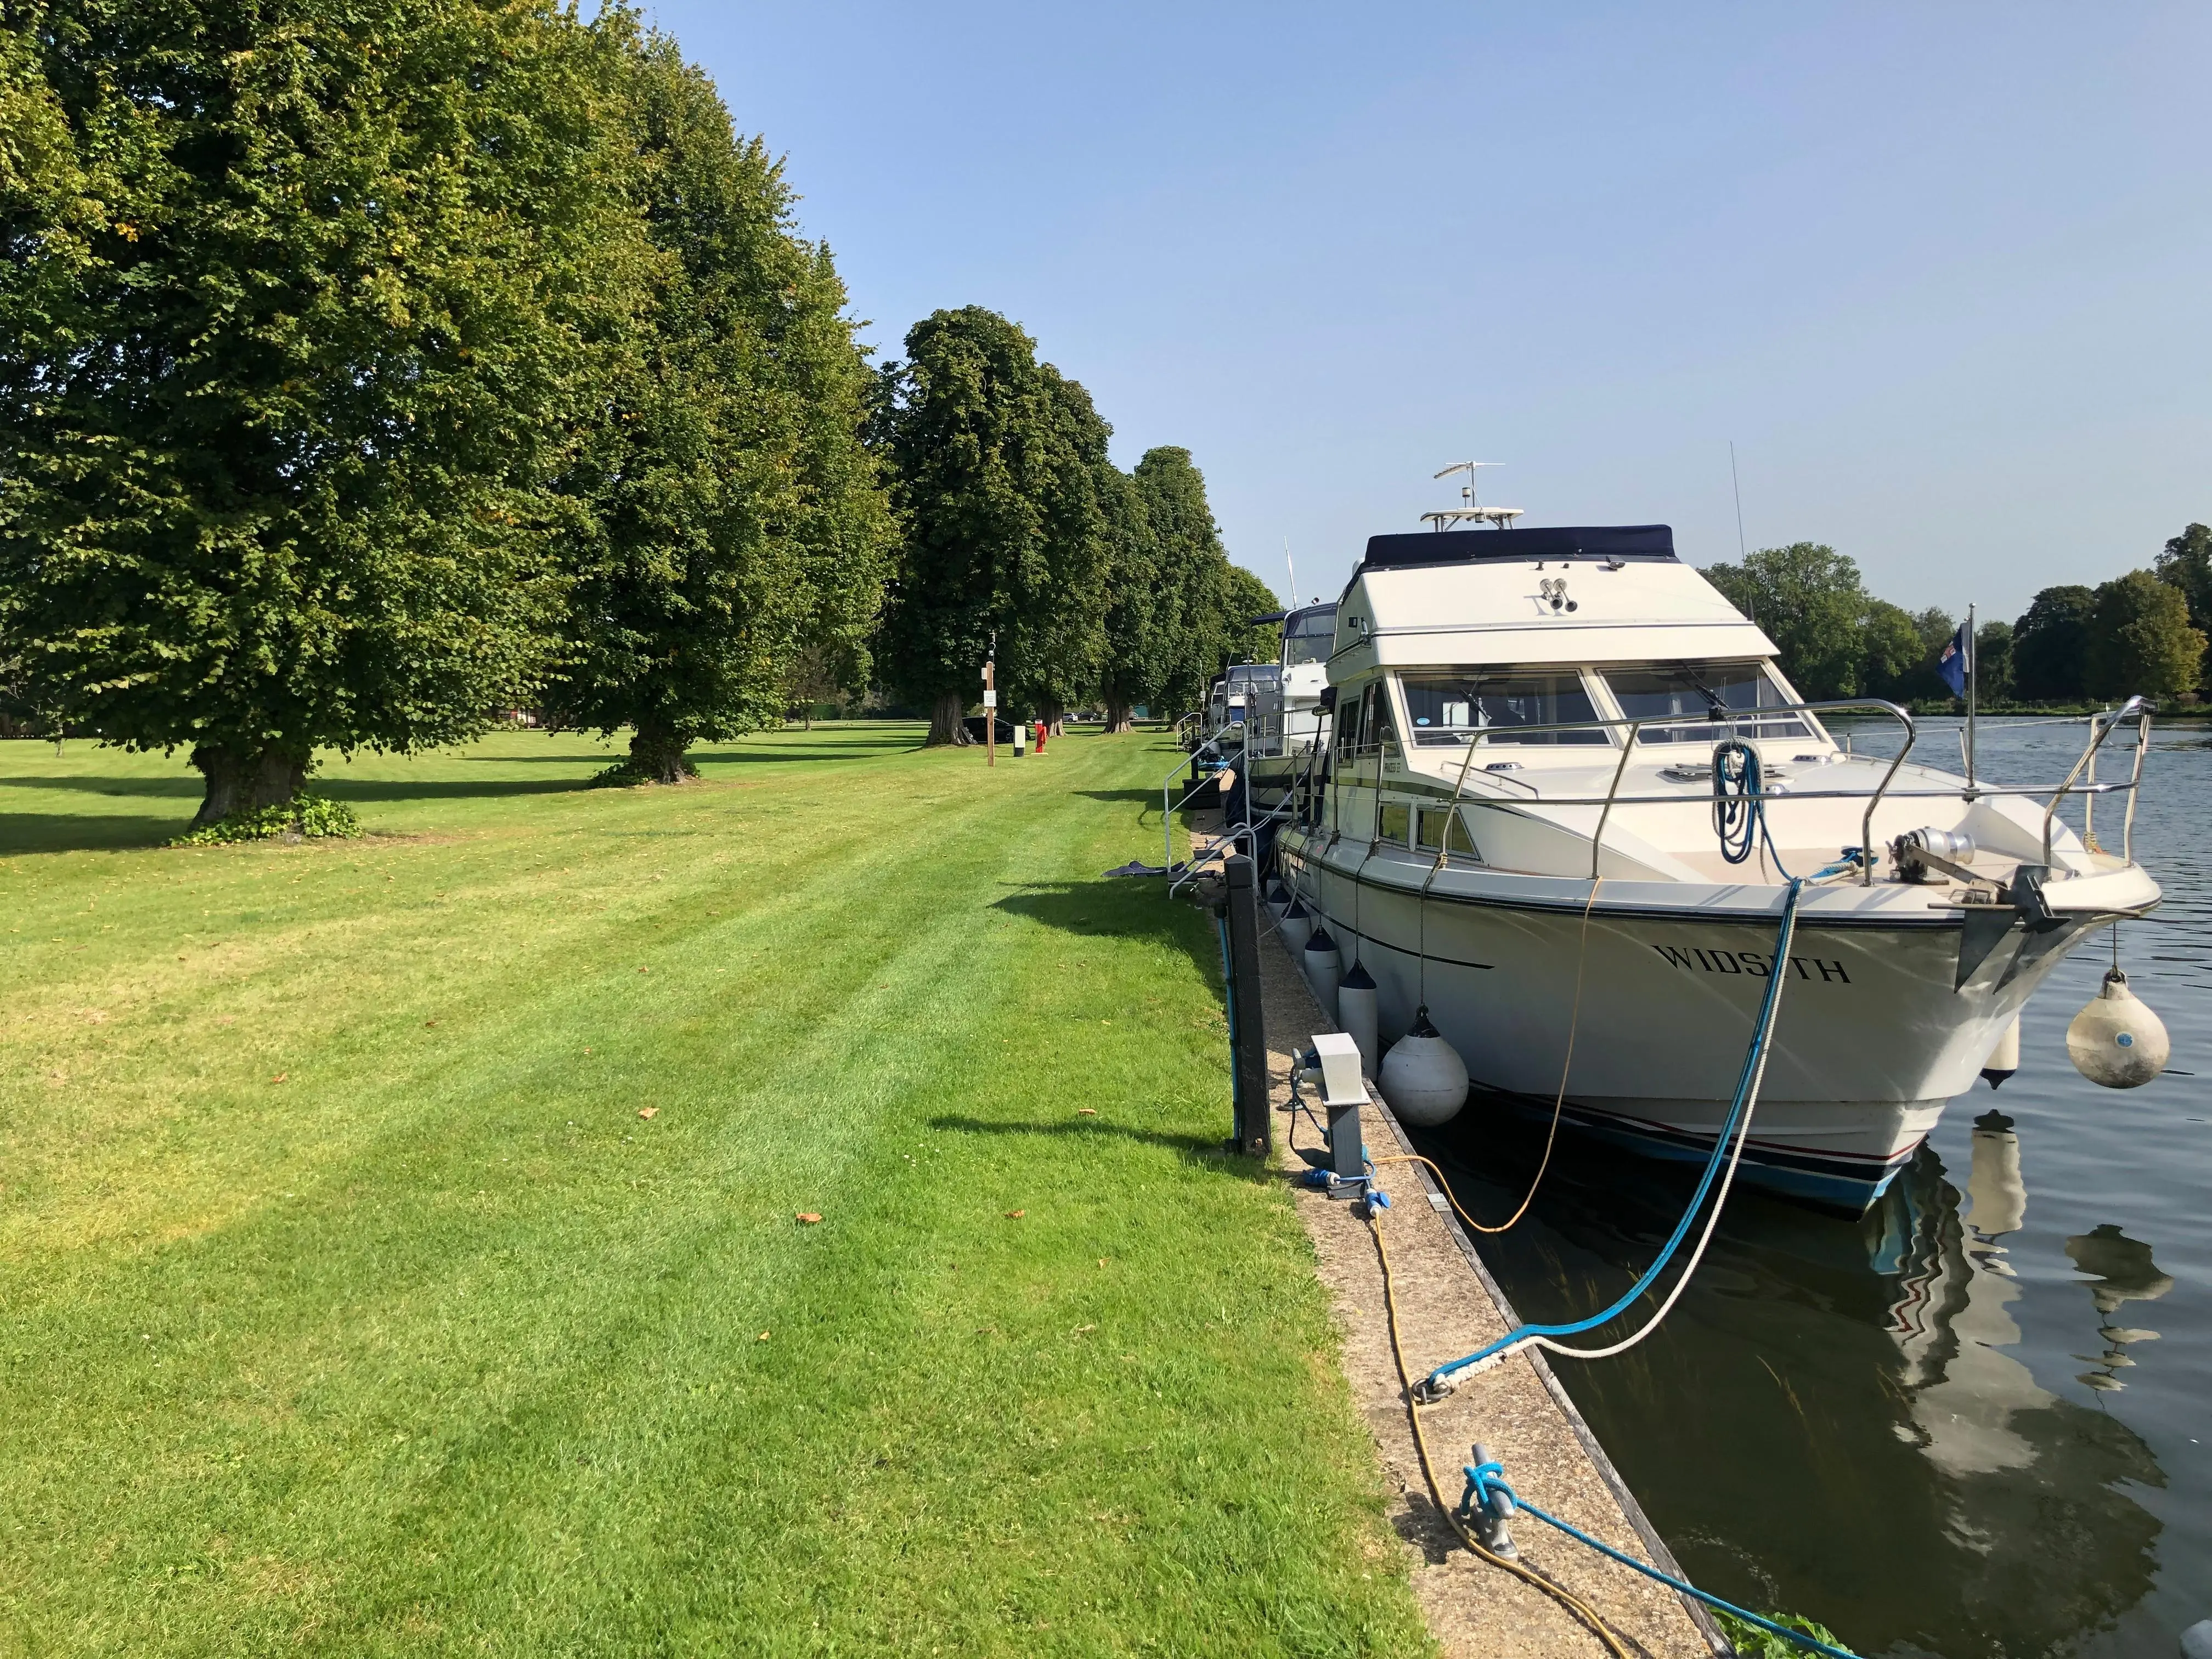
304,305
1890,649
1244,637
995,461
727,517
1137,624
2049,645
1809,601
1993,661
1194,604
2186,563
2140,640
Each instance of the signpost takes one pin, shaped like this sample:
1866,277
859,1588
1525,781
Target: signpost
991,705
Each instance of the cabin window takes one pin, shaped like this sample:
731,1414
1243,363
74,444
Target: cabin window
1487,708
1309,636
1438,823
1391,826
1381,729
1349,711
1712,700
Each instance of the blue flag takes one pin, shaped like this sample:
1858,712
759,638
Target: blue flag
1951,666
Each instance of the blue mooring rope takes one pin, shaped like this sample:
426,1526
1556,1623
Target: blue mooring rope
1761,1029
1739,806
1484,1479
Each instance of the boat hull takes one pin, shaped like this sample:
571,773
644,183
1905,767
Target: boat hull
1878,1025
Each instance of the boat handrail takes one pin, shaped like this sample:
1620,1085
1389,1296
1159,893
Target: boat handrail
2101,727
2136,708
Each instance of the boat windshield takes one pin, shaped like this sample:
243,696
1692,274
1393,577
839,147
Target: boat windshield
1709,697
1484,708
1309,636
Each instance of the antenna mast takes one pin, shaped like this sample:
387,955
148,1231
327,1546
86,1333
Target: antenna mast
1470,510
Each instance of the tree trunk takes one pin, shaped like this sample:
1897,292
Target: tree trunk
1056,720
657,755
948,720
1118,717
238,781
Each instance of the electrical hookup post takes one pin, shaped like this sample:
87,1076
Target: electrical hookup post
1239,918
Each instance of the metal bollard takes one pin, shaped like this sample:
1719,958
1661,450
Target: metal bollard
1490,1518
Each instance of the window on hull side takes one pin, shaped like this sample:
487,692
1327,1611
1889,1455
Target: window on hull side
1487,708
1437,822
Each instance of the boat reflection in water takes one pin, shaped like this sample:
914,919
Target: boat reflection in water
1833,1420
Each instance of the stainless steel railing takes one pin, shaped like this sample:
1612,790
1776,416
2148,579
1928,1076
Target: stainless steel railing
2102,727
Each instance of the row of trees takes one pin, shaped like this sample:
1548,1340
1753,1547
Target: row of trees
2141,632
1022,536
369,367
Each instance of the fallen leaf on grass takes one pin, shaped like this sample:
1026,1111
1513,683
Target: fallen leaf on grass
428,1024
644,970
1086,1111
808,1218
1080,1329
646,1111
587,1051
280,1076
763,1337
1016,1215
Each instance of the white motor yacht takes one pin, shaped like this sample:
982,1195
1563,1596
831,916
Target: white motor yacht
1293,722
1516,826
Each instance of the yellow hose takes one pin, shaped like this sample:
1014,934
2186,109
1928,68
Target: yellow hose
1574,1604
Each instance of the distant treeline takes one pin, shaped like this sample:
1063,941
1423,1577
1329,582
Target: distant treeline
2142,633
371,368
1018,533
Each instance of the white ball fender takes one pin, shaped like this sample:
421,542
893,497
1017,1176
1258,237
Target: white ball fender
2116,1041
1424,1080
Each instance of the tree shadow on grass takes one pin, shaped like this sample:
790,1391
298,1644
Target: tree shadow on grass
174,788
1122,906
71,832
432,789
758,757
1208,1152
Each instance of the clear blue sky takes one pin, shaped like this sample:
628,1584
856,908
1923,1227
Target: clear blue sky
1944,273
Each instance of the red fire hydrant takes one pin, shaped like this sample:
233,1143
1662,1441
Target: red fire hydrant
1041,729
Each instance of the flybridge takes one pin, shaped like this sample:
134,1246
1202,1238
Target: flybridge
1638,543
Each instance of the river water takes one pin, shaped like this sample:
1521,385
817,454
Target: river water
1978,1421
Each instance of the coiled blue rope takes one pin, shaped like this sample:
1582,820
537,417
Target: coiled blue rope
1762,1029
1484,1479
1739,804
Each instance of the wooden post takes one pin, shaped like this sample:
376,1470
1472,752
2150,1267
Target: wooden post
1248,1060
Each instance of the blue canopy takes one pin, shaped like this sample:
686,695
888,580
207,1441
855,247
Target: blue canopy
1643,543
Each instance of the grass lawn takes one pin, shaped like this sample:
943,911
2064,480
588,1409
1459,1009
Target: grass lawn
351,1303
